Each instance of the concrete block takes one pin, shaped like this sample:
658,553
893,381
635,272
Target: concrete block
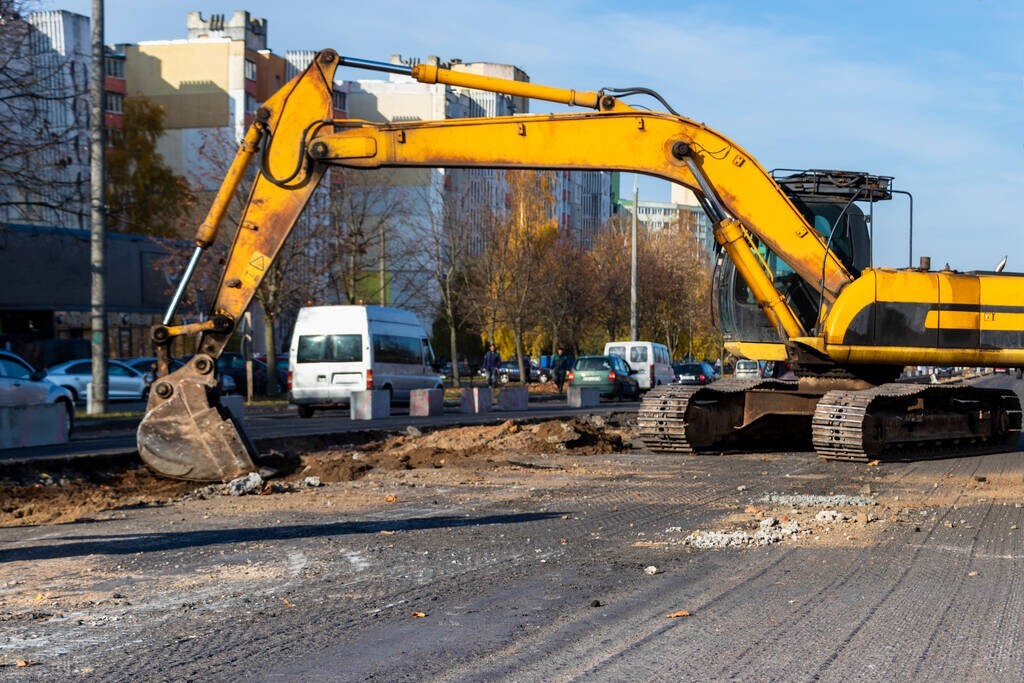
236,406
583,397
34,425
426,402
370,405
475,400
513,398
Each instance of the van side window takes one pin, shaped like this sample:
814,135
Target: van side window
389,348
322,348
638,354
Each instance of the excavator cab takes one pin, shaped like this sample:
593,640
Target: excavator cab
831,202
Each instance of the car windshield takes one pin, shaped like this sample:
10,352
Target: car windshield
595,363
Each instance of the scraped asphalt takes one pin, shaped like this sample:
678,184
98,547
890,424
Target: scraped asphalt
539,578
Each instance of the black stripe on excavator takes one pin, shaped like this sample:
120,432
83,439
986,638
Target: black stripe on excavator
885,323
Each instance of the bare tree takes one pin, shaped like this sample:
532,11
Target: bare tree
526,232
675,279
447,233
361,214
565,293
44,142
610,271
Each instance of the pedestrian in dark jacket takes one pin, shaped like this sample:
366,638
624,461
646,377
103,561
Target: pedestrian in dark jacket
492,361
559,367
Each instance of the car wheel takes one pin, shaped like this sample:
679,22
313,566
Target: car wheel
145,393
70,408
503,379
305,411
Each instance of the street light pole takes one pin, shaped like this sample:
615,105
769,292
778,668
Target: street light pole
98,219
634,334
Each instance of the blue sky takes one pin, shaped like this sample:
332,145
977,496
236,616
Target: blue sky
931,93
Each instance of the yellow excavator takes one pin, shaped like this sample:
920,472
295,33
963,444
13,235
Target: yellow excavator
794,280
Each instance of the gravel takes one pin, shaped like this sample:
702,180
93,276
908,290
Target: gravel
832,501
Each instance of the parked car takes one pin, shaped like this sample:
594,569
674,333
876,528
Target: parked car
147,366
747,368
465,372
23,385
281,363
233,366
610,374
123,382
696,372
509,372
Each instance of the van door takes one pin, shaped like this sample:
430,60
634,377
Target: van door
328,368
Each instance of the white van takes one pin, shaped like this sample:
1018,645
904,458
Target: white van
336,350
651,360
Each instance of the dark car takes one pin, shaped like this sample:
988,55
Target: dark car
697,372
233,365
610,374
465,372
509,372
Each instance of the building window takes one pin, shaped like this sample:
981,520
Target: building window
250,70
113,102
250,104
338,100
113,67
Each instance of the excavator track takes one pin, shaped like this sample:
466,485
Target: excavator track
728,414
903,421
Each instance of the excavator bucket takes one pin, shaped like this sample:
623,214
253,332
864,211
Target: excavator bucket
187,433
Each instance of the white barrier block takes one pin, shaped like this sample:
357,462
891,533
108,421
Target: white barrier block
34,425
475,400
370,405
583,397
426,402
513,398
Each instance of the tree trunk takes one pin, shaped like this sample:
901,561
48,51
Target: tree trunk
523,367
456,380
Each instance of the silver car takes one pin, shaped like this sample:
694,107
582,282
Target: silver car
747,368
147,366
123,383
21,385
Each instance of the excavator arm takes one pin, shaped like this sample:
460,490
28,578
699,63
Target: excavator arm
186,433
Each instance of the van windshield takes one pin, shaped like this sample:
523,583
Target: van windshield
330,348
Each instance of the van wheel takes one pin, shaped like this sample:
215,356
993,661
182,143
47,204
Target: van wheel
305,411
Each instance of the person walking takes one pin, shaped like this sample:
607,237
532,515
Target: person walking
492,361
559,367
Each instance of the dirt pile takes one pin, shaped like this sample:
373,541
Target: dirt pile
58,495
487,447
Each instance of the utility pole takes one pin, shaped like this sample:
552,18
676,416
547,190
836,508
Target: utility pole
383,266
634,334
98,218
